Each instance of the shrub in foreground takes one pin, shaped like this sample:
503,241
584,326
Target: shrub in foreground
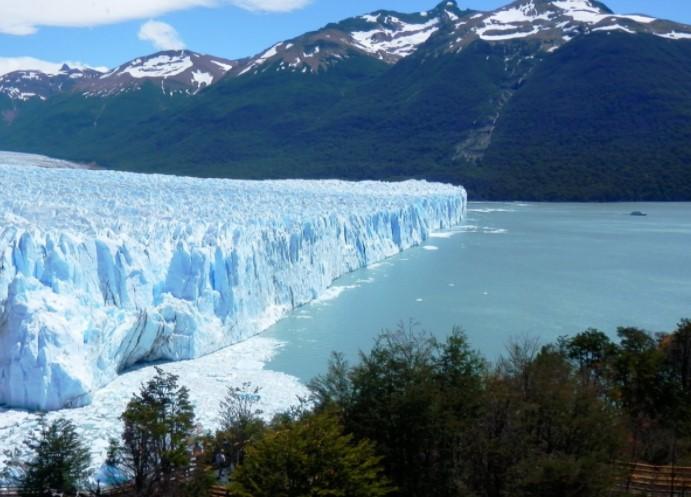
309,457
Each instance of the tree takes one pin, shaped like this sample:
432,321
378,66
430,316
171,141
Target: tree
333,390
572,434
60,460
411,395
592,352
240,421
158,424
542,430
645,393
310,457
239,405
677,347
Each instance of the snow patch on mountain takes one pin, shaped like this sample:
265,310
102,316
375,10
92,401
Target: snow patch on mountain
162,66
452,16
371,18
510,36
402,39
264,57
615,27
225,67
202,79
584,11
674,35
101,270
521,13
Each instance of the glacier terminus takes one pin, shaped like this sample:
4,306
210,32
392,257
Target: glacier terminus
101,271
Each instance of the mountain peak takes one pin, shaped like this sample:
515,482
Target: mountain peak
583,5
540,6
446,4
175,71
385,35
553,23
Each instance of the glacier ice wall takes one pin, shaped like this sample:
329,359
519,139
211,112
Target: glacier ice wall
101,270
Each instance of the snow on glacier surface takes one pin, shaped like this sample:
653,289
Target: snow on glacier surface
207,378
102,270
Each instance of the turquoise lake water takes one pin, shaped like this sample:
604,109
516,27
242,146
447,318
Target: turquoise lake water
513,270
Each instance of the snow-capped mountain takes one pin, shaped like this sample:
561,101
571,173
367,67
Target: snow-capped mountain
383,35
25,85
554,23
174,71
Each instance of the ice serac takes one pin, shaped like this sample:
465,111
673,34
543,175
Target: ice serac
100,270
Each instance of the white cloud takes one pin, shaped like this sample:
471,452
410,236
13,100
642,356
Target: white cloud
23,17
270,5
10,64
162,35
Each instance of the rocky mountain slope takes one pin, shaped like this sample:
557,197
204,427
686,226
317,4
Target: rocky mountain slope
541,99
173,71
28,84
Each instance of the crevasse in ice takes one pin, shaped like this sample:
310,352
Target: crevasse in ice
102,270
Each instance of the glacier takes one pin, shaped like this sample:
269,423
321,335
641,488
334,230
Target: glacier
101,271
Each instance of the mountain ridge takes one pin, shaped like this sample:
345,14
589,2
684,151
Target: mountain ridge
384,34
498,101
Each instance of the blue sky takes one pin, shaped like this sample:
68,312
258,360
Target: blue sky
224,30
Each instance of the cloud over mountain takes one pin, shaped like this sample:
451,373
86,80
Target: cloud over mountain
270,5
162,35
24,18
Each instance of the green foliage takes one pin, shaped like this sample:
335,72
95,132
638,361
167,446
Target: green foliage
410,395
415,417
310,457
158,424
239,405
639,374
540,423
59,462
592,352
333,389
198,483
676,363
646,378
542,430
562,475
240,422
677,350
606,117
